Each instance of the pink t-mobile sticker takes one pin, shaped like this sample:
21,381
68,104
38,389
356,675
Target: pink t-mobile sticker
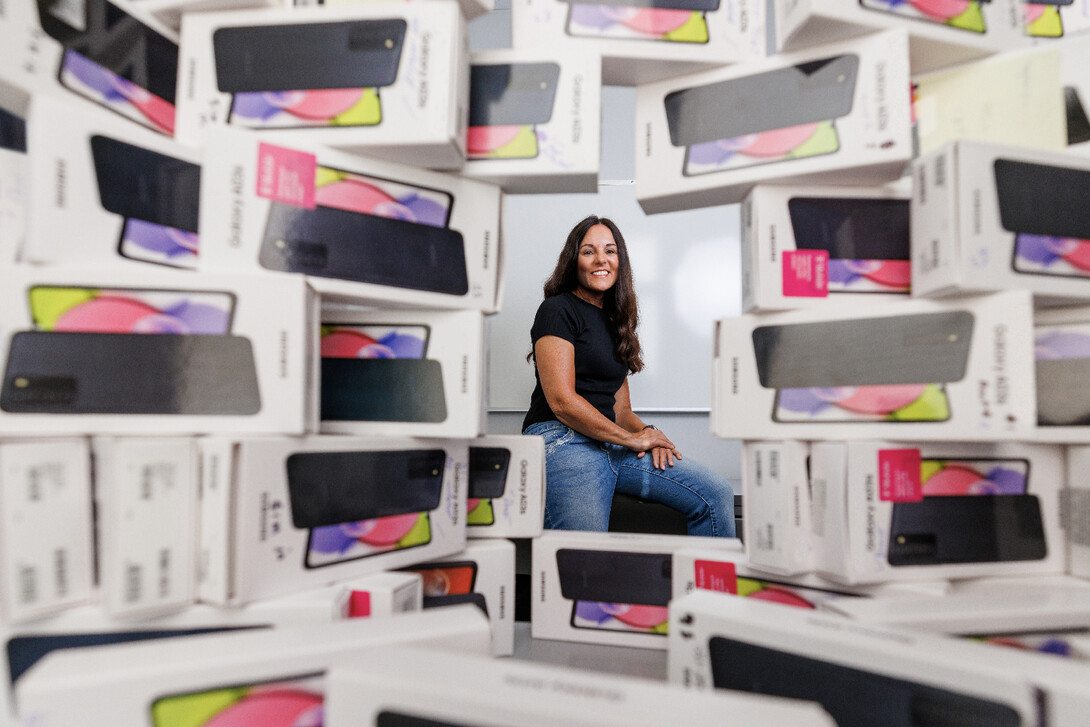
899,475
714,575
806,273
286,175
359,604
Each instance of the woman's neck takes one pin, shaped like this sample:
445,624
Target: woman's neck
589,297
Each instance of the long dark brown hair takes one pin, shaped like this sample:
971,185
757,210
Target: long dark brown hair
619,303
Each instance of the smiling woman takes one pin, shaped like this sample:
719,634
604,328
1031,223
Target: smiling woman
584,347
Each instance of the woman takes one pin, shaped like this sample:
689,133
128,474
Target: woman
584,347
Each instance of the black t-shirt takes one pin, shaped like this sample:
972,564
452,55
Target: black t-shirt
598,371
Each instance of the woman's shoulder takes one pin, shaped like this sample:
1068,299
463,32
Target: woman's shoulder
559,302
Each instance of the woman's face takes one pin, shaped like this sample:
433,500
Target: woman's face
598,260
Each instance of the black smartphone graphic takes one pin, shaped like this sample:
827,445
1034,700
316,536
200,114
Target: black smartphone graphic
867,240
12,132
333,243
910,349
852,697
1063,398
348,54
616,591
1078,125
966,529
115,60
382,390
123,373
818,91
488,471
400,719
139,184
330,488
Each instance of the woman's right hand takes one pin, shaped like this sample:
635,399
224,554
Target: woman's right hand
648,439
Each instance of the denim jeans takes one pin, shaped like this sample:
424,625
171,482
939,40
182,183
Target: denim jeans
582,474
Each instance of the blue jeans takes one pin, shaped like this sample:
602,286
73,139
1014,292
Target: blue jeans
582,474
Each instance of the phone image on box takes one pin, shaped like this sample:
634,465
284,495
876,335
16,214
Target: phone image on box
1078,125
966,529
1043,19
449,584
131,310
852,697
973,476
158,197
357,504
114,60
786,594
867,241
1048,210
349,340
327,242
123,373
672,21
961,14
292,701
308,74
12,132
616,591
774,116
487,481
400,719
506,103
845,404
1062,362
354,192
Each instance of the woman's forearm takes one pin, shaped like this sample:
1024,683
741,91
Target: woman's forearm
578,413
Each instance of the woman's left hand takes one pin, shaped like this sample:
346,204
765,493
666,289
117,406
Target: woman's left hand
662,457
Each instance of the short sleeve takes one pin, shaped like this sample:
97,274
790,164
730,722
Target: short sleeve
554,319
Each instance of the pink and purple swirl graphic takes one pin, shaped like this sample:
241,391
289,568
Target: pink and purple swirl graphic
1053,255
119,94
382,198
894,276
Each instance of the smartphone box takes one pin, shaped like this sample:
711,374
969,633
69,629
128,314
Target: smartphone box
150,351
1063,412
810,247
938,36
482,574
46,522
707,138
988,217
365,230
900,511
776,493
640,43
1074,58
424,686
385,503
890,676
606,588
107,193
378,595
981,606
470,8
146,499
534,120
396,78
1008,99
506,487
1076,513
14,180
231,675
402,373
170,12
840,373
111,53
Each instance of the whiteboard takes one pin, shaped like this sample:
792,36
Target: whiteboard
687,270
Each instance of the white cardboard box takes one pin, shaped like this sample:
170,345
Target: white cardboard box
811,247
153,351
170,12
402,373
894,511
937,36
485,569
838,114
606,588
990,218
46,520
1061,362
378,595
106,192
360,229
447,688
1076,512
387,503
134,684
776,494
146,495
642,45
506,488
918,369
14,200
885,675
470,8
108,52
396,74
535,120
